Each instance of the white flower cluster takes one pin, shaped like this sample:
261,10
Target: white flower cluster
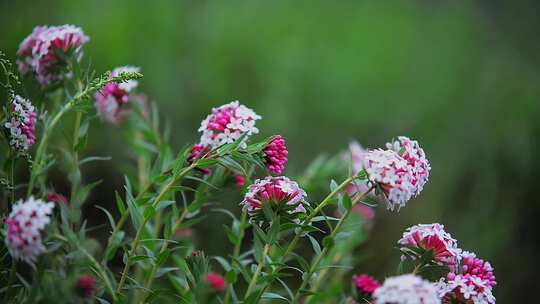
415,156
406,289
24,226
467,288
22,124
228,123
392,173
129,85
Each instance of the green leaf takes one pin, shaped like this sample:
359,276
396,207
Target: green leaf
109,216
149,212
314,244
273,296
347,204
328,242
231,276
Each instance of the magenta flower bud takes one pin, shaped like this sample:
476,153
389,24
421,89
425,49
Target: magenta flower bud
86,286
275,155
215,281
57,198
240,180
39,52
24,227
22,124
365,284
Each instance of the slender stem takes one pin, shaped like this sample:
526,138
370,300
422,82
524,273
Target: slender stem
11,280
323,253
260,266
141,164
12,177
236,252
135,242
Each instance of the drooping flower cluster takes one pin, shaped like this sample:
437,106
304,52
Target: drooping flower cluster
433,237
111,100
215,281
86,286
46,51
411,151
275,155
24,226
392,173
406,289
227,123
22,124
281,192
472,284
365,285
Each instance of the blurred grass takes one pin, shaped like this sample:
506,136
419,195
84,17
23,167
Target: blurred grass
461,78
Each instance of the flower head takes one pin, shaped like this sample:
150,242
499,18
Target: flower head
275,155
86,286
24,226
22,124
406,289
215,281
392,174
227,123
365,284
46,51
280,192
432,237
465,288
473,265
411,151
111,100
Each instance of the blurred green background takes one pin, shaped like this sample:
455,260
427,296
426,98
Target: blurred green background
460,76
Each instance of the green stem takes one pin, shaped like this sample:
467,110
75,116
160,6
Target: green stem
236,252
260,266
323,253
138,235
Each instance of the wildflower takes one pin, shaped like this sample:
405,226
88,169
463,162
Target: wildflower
392,174
275,155
57,198
22,124
411,151
111,100
47,50
197,151
240,181
365,285
226,124
25,224
215,281
432,237
280,192
478,267
465,288
86,286
406,289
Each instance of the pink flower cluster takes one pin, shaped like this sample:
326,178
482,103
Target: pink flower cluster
111,100
22,124
365,284
406,289
392,173
25,224
472,284
86,285
433,237
45,50
226,124
215,281
279,191
411,151
275,155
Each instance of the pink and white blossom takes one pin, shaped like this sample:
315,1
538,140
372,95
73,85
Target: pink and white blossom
433,237
392,174
465,288
21,124
279,191
406,289
227,123
111,101
45,50
24,227
415,156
